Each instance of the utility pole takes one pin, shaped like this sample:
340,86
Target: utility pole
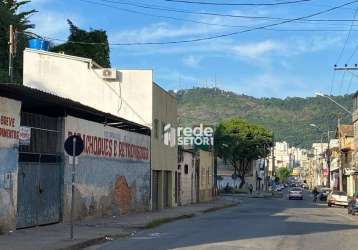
328,162
11,53
273,158
340,155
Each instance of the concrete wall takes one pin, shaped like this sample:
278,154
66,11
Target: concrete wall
206,175
165,111
130,96
9,129
113,173
164,157
250,177
188,190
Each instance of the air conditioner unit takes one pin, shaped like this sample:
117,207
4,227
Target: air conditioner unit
109,74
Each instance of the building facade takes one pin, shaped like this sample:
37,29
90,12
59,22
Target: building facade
187,184
112,174
130,94
206,177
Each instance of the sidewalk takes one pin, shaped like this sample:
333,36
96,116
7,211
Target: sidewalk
93,231
255,195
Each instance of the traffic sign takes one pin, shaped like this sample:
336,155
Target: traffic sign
74,145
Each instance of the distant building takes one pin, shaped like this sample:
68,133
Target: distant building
254,176
319,156
345,136
282,155
187,180
206,175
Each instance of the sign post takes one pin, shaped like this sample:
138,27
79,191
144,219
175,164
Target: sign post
74,147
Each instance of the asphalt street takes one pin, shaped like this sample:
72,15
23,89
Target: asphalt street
276,223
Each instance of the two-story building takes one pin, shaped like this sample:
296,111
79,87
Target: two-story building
353,177
130,94
345,136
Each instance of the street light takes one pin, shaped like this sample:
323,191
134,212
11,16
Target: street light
339,105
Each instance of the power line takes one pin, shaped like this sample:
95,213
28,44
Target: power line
349,84
163,8
154,15
206,23
114,44
342,82
239,4
343,49
163,16
341,54
237,32
214,36
333,78
348,37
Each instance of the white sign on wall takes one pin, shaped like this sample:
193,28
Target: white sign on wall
108,142
25,135
9,122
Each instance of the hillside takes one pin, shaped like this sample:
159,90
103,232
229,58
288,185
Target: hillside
288,118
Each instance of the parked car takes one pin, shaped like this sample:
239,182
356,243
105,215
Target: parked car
295,193
353,204
323,193
338,198
279,187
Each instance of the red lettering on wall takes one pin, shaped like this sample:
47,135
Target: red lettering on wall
105,147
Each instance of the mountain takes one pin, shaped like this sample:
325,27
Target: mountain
289,119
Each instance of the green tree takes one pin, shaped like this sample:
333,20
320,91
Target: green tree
283,173
10,14
239,143
90,44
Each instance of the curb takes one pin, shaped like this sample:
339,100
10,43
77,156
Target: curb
104,239
187,216
95,241
209,210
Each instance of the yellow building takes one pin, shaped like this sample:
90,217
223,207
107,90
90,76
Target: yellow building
345,135
206,182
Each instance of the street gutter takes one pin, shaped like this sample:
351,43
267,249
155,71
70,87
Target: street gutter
153,224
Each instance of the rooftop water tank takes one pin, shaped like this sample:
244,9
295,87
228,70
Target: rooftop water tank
39,44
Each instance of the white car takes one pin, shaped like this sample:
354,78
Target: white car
338,198
295,193
280,187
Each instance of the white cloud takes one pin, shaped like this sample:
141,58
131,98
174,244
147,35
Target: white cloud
192,61
159,31
255,50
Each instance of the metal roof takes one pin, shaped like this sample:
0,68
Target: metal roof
37,101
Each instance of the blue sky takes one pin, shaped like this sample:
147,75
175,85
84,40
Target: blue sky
261,63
